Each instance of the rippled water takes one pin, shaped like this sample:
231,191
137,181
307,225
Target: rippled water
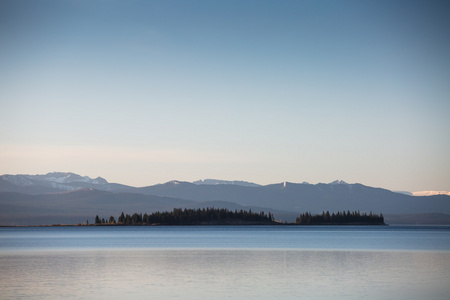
225,263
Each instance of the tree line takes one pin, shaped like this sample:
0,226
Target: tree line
185,216
340,218
222,216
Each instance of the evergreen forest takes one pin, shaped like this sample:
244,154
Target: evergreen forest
221,216
178,216
340,218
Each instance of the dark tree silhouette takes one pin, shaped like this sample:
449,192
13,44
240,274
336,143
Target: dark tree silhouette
340,218
179,216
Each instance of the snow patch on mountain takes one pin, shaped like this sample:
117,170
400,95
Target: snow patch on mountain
404,193
58,180
430,193
19,180
338,182
61,177
227,182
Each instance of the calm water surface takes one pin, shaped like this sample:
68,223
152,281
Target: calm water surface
230,262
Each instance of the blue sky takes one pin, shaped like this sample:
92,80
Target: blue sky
143,92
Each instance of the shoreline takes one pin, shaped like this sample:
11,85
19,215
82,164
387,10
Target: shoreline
191,225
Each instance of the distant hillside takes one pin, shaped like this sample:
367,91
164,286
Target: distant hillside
306,197
69,198
419,219
56,182
77,206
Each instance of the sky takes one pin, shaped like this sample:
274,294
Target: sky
144,92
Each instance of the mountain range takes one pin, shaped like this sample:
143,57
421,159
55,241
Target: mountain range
68,198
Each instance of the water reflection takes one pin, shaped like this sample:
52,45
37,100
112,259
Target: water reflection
225,274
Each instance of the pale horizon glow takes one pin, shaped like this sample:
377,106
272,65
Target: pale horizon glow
145,92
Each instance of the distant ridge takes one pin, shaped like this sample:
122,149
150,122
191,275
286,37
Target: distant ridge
430,193
424,193
65,197
54,182
55,177
338,182
234,182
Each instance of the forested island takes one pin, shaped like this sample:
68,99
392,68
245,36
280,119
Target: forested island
340,218
216,216
178,216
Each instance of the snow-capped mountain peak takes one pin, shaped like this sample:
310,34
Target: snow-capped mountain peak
68,177
338,182
226,182
430,193
65,181
19,180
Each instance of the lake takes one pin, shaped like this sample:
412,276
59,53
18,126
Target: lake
225,262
